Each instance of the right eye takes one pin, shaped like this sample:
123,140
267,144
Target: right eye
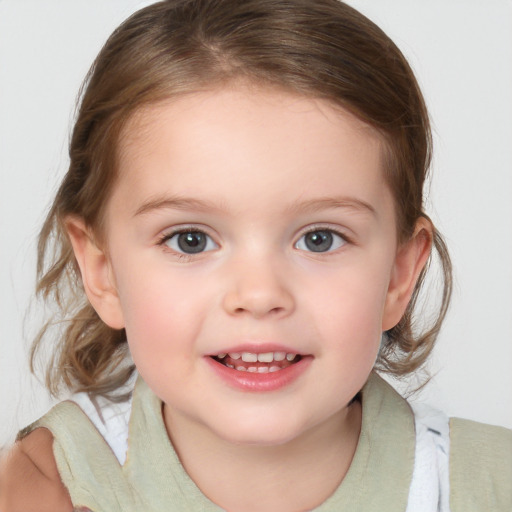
189,242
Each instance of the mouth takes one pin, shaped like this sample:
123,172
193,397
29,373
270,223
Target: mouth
251,362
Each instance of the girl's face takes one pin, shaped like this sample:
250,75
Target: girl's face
257,224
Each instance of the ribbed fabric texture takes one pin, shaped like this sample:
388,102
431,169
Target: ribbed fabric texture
480,467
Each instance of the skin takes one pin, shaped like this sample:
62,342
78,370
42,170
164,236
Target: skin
29,478
255,169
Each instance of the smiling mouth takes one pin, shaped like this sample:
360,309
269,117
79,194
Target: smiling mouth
257,363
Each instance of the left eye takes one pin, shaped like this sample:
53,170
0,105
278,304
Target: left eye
190,242
320,240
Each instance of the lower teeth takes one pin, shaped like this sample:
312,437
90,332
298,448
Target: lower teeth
256,369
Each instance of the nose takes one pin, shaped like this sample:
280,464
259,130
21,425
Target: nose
258,288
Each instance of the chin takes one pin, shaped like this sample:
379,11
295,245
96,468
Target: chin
260,433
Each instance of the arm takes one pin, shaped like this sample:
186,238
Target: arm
29,479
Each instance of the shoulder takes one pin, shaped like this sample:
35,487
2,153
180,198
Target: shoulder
486,446
29,479
480,466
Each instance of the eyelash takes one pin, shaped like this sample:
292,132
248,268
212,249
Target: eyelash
179,231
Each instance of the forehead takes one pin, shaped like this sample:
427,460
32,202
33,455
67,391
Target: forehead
242,102
250,139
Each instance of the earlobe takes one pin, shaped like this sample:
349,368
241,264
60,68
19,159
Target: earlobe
96,273
410,260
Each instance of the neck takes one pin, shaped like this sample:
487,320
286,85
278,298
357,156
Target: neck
298,475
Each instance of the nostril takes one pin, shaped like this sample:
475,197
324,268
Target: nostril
258,300
259,312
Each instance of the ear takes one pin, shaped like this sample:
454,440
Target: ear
97,276
410,259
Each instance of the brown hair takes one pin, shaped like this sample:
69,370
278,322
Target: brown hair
319,48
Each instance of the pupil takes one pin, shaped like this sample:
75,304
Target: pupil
192,242
319,241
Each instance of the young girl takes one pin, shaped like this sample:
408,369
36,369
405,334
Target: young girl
237,249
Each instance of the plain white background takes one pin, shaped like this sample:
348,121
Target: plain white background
462,54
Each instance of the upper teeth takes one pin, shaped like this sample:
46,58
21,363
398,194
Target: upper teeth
266,357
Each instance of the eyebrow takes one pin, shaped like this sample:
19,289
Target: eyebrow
308,206
325,203
178,203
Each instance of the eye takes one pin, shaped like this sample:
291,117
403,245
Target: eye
320,240
189,242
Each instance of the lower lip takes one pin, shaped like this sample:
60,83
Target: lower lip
260,382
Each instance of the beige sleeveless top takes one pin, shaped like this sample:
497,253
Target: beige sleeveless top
152,479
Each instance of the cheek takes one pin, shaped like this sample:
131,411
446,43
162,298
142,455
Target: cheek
148,306
159,332
349,317
162,308
353,300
